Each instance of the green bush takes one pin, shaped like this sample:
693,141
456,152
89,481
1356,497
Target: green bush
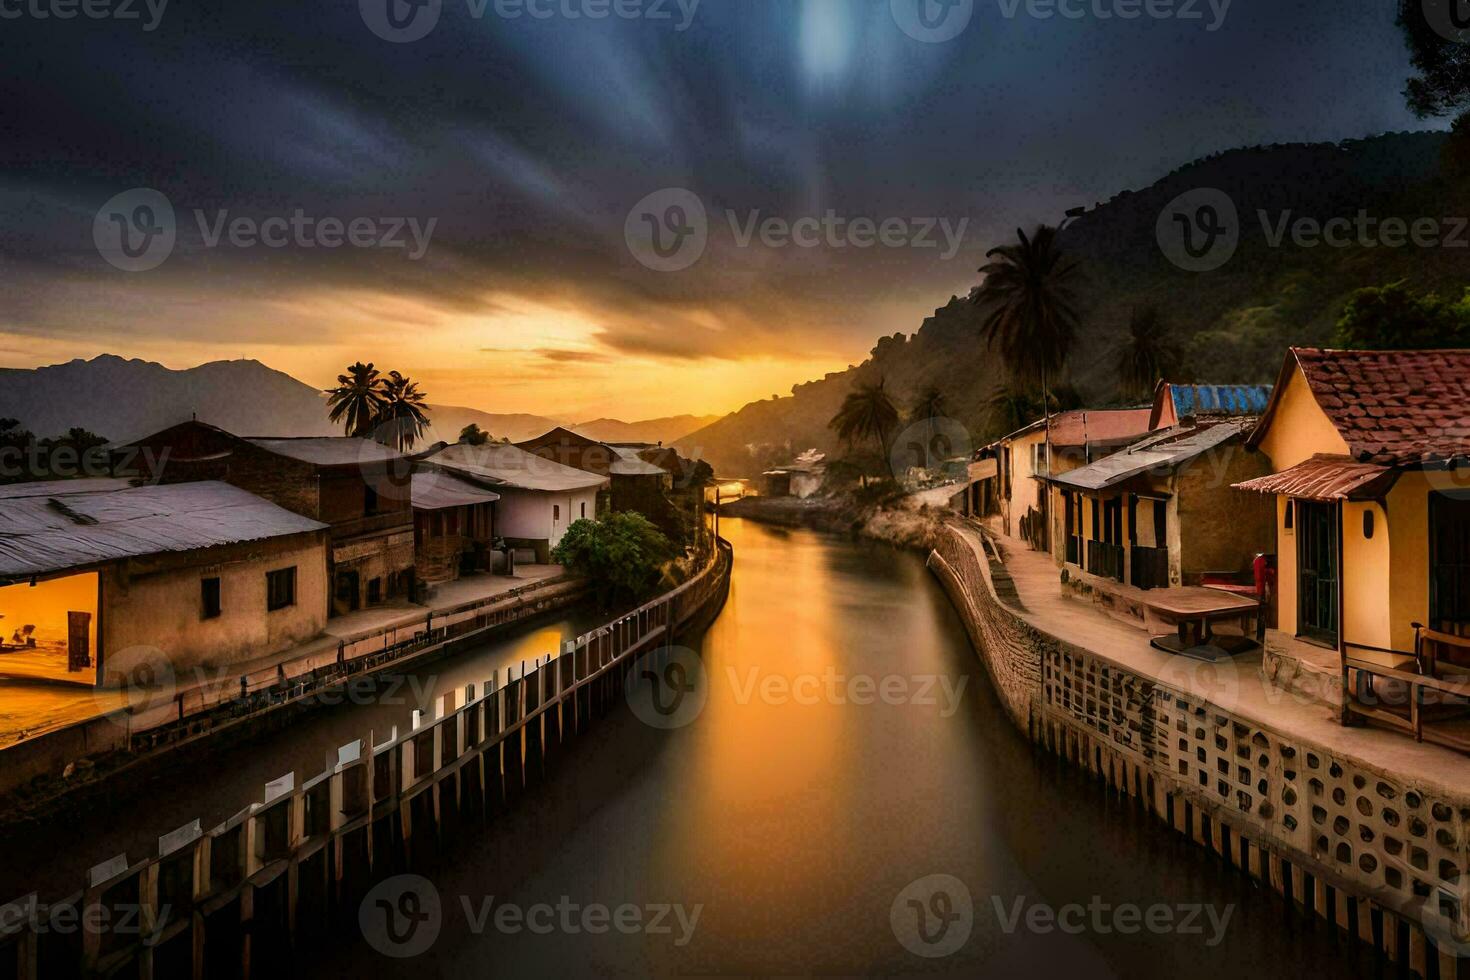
623,554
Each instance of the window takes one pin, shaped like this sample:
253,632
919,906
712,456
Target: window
556,512
369,501
280,588
375,591
209,598
584,508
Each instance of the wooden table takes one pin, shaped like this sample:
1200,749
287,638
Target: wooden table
1193,610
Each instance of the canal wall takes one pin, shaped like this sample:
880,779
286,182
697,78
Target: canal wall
238,900
1370,851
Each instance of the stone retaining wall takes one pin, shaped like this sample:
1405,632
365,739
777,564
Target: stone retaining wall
1369,850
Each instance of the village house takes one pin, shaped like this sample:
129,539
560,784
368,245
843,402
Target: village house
801,479
633,483
100,579
454,526
1161,512
1023,463
539,498
359,488
1371,488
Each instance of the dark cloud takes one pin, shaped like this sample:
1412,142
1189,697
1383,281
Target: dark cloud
527,141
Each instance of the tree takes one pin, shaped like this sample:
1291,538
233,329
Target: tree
402,419
866,413
931,405
357,400
1029,306
1440,53
1148,355
473,435
1394,317
623,554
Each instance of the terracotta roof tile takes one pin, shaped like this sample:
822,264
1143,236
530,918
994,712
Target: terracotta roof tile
1394,407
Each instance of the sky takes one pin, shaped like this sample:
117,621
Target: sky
585,208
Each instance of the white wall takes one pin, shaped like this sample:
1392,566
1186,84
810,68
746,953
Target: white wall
536,515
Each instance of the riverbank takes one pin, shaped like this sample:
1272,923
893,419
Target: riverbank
901,519
1359,826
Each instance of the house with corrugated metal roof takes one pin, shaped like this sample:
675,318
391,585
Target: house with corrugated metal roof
453,526
1175,402
360,488
1162,512
1370,481
539,497
107,584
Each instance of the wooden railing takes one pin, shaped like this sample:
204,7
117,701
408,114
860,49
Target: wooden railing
1412,701
234,901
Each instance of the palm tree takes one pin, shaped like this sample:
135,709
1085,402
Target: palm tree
1030,308
357,400
1149,354
402,420
866,412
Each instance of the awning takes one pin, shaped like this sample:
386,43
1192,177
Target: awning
985,469
1326,478
1159,455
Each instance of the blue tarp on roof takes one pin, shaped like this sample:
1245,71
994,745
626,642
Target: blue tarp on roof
1219,399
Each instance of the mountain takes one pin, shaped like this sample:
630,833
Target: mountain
121,399
653,430
1231,324
124,399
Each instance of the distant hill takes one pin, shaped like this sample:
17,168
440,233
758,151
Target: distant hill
653,430
121,398
1232,324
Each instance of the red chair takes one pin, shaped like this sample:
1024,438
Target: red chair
1262,588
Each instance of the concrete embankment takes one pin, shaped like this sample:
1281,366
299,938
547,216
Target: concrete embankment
1361,827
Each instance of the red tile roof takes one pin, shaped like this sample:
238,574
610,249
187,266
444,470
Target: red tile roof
1392,407
1324,477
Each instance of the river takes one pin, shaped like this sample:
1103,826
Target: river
784,828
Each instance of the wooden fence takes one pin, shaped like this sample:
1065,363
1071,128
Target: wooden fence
236,900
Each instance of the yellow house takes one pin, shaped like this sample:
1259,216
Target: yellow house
1023,462
1372,490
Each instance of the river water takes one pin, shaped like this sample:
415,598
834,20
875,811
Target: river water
794,814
